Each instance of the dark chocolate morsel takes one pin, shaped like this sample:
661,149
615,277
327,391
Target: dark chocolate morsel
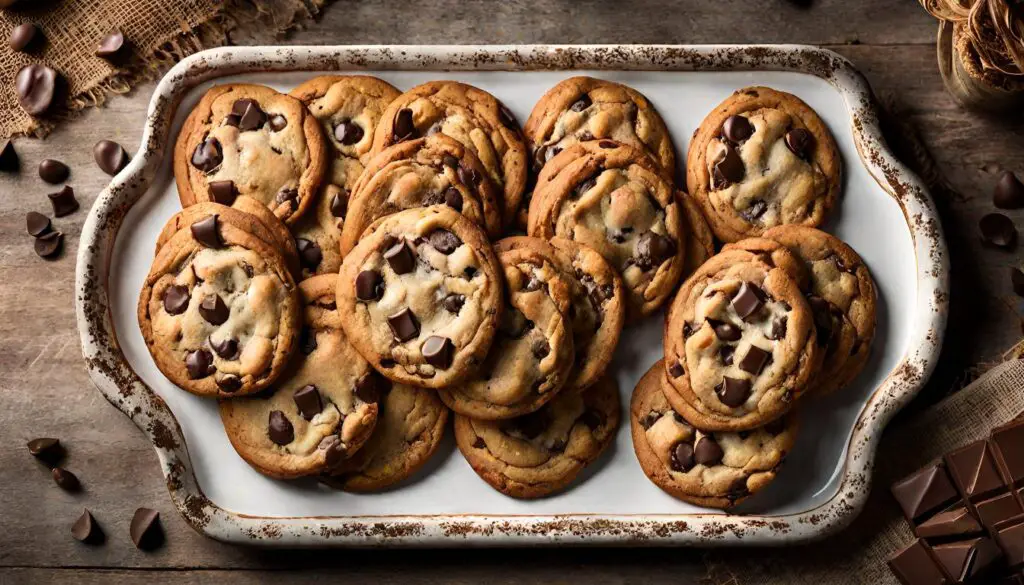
226,348
86,529
998,230
725,331
733,391
277,122
401,257
348,132
708,452
110,45
404,129
9,162
540,349
507,118
145,529
755,210
53,171
229,383
682,457
49,244
652,249
46,448
676,369
924,491
223,192
199,364
404,325
310,254
334,450
369,285
206,157
279,428
729,169
726,353
213,310
251,115
24,37
438,351
35,85
778,328
737,129
748,300
581,104
65,479
755,360
286,194
307,400
372,386
176,297
307,341
453,302
37,224
1009,193
206,231
338,205
63,201
800,141
444,241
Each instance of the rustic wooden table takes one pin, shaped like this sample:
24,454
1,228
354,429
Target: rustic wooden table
44,389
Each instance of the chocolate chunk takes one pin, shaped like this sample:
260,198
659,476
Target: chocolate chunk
748,300
334,450
956,521
176,297
369,285
998,230
9,162
277,122
778,330
66,480
46,449
213,310
36,85
206,231
401,257
737,129
338,205
755,360
145,529
404,129
36,224
453,302
86,529
821,310
725,331
348,132
206,157
468,176
24,37
286,194
307,341
755,211
404,325
111,45
63,201
687,329
585,186
800,142
307,400
199,364
733,391
279,428
1017,281
676,369
450,162
729,169
372,386
581,104
593,419
973,470
438,351
540,348
726,354
479,443
708,452
997,509
1010,536
914,565
507,118
453,199
968,560
252,117
229,383
924,492
223,192
49,245
444,241
1009,193
226,348
652,249
1007,443
53,171
310,254
682,458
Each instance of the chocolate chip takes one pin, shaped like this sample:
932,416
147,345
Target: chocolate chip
404,325
687,329
507,118
404,129
348,132
206,157
176,299
438,351
49,245
584,187
369,285
252,117
707,452
307,341
229,383
778,328
453,303
111,45
66,480
581,104
748,300
1009,193
46,449
338,205
307,400
24,37
754,211
36,85
676,369
286,194
608,144
334,450
737,129
226,348
372,386
800,141
1017,280
310,254
725,353
453,199
755,360
450,162
540,349
738,489
199,364
86,529
207,232
998,230
725,331
401,257
821,311
277,122
232,120
37,224
213,310
145,529
478,443
467,176
733,391
53,171
647,421
652,249
444,241
223,192
593,419
63,201
9,162
513,323
729,169
279,428
682,457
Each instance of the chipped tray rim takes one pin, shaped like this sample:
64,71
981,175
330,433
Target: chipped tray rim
120,385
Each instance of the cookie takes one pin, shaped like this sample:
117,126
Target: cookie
740,344
436,170
421,294
611,197
542,452
321,410
348,108
761,159
596,308
532,356
409,429
267,227
473,117
773,253
706,468
244,139
219,310
700,242
842,297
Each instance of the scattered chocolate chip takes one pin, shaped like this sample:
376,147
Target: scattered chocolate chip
453,302
111,156
726,353
46,449
682,457
66,480
24,37
63,201
176,298
676,369
998,230
36,85
369,285
729,169
778,330
733,391
581,104
223,192
401,257
348,132
540,349
438,351
48,245
286,194
277,122
748,300
338,205
206,157
213,310
229,383
145,529
754,211
199,364
652,249
1017,280
404,325
310,254
372,386
469,272
279,428
725,331
404,129
307,400
251,116
444,241
1009,193
737,129
468,176
755,360
53,171
453,199
206,231
111,45
507,118
708,452
800,142
86,529
37,224
226,348
9,162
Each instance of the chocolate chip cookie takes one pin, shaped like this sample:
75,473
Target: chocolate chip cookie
740,344
842,297
473,117
410,427
321,410
348,108
421,294
533,354
219,310
761,159
706,468
250,140
436,170
597,305
540,453
611,197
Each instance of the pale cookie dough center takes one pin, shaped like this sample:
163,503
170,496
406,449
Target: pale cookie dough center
261,162
517,442
612,120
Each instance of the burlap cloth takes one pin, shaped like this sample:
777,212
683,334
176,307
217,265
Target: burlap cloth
161,32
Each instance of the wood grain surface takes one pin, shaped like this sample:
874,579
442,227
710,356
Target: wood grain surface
44,389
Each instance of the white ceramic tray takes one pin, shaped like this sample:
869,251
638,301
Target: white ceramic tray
885,214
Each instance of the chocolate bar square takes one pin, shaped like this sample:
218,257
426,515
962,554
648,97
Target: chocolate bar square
915,565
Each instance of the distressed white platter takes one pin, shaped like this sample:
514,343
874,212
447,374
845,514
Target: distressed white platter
885,214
